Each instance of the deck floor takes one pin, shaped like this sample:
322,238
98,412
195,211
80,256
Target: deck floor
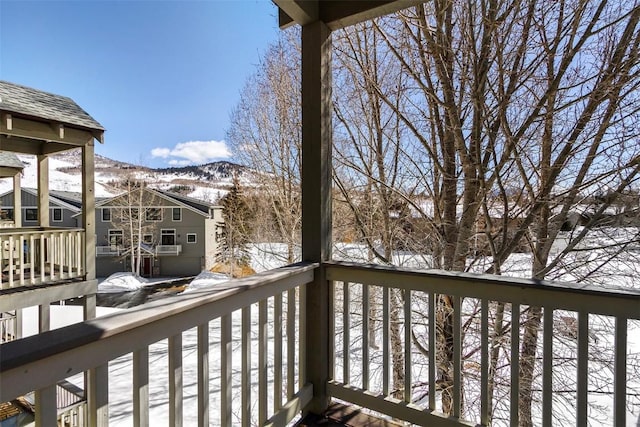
339,414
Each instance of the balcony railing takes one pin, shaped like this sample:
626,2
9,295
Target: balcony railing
402,378
109,250
384,343
168,250
7,327
39,362
35,256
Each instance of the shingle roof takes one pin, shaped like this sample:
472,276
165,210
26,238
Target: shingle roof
36,103
194,203
10,160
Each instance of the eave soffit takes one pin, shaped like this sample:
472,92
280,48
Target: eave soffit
336,14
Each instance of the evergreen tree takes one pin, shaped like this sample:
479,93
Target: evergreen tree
237,228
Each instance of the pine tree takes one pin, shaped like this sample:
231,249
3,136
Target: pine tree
237,228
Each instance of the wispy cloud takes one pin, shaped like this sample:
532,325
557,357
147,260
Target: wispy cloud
193,152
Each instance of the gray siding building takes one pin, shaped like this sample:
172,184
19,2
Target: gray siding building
62,213
172,235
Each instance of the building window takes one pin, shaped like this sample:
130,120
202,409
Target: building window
176,214
168,237
6,214
147,239
57,214
116,239
153,214
106,215
31,214
192,238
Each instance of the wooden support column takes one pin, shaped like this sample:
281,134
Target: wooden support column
43,191
316,202
17,200
89,223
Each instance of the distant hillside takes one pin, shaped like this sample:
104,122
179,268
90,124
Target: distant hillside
208,182
212,171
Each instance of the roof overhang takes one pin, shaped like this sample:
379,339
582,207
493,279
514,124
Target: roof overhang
30,135
336,14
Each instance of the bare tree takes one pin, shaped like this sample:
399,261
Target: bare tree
265,134
508,115
137,213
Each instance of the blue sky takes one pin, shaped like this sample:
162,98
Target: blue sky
161,76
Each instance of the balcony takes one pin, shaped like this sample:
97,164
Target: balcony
162,250
36,256
108,250
265,317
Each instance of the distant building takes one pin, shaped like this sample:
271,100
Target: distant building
62,212
178,235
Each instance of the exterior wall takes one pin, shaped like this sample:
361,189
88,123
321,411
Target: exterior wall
30,201
106,266
194,256
191,259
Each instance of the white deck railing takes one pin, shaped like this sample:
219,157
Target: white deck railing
108,250
35,256
168,249
38,362
370,300
7,327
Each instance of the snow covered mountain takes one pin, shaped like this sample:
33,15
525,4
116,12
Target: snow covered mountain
208,182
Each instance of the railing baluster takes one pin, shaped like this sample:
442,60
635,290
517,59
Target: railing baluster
407,346
457,359
203,375
277,352
46,406
141,387
583,367
484,362
432,351
262,361
226,369
291,342
42,258
69,262
346,333
32,259
44,317
385,340
245,413
81,260
515,363
11,262
98,396
18,327
365,337
547,367
175,381
21,254
620,373
52,256
302,338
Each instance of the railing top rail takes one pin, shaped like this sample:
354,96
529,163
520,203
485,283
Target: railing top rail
558,295
45,358
36,230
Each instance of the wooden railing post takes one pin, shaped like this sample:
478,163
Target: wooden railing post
316,203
